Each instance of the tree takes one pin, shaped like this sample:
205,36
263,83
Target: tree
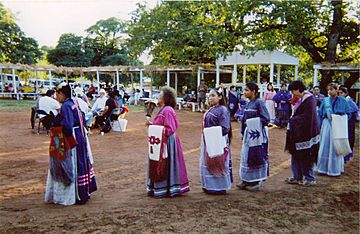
106,38
15,47
70,51
197,32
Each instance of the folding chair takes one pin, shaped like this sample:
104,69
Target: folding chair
45,120
115,117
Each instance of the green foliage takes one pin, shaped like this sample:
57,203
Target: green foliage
106,39
70,51
188,32
15,47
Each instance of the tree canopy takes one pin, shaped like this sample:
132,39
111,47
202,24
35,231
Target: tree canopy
197,32
15,47
106,38
70,51
104,45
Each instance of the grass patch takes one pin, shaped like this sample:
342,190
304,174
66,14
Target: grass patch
16,105
9,105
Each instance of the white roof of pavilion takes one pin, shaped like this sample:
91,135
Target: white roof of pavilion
259,57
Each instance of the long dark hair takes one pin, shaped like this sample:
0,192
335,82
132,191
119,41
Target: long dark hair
272,87
223,103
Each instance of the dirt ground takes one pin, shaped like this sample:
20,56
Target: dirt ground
121,204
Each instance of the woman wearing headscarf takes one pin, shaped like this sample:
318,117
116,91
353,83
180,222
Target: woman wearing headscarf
167,174
254,164
71,176
215,160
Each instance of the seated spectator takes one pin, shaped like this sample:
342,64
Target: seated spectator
102,119
99,104
91,91
48,103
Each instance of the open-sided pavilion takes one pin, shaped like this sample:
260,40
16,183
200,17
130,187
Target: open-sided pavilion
259,58
201,70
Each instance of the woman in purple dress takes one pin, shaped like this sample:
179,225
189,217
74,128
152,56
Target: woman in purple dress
169,177
216,173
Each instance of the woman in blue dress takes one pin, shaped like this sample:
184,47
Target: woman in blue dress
218,115
328,162
254,164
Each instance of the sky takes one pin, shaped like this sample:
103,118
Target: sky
46,20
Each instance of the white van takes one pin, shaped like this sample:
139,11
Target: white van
6,79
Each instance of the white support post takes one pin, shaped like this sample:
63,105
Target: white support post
342,78
50,79
168,77
278,74
98,80
198,77
316,77
14,83
81,80
272,73
66,76
176,82
234,77
141,81
258,74
117,80
296,72
217,75
2,80
244,74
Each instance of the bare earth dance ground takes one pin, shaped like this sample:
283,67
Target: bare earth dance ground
121,203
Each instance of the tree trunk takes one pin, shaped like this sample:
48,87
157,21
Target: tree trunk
333,38
326,78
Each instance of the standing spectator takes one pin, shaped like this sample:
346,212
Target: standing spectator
282,98
202,90
71,176
233,101
269,102
303,136
354,117
319,97
328,161
223,90
167,175
215,169
254,163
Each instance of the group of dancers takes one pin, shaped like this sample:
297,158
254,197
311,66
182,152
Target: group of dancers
71,177
309,146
